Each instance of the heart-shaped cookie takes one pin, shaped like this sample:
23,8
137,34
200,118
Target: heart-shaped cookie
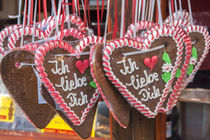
144,89
117,105
21,83
183,15
71,34
200,47
70,89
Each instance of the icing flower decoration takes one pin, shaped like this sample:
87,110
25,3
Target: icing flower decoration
167,67
193,60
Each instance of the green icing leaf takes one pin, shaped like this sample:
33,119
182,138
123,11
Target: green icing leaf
93,84
166,76
194,52
166,58
189,69
178,73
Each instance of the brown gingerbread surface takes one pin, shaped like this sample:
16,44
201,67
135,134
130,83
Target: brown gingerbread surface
22,86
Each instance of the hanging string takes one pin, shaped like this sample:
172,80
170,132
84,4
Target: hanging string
24,19
45,8
153,7
34,22
62,24
75,3
85,14
190,11
143,10
29,12
78,6
170,11
88,5
144,51
159,13
19,12
67,13
172,6
73,7
139,14
55,16
149,11
180,7
176,9
26,13
146,10
135,20
133,12
106,23
55,7
31,15
39,10
98,18
115,30
127,5
122,18
102,10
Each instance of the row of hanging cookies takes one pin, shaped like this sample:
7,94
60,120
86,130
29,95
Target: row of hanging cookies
58,65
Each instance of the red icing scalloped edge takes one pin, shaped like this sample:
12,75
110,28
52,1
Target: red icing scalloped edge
202,30
124,42
4,33
72,18
178,84
28,30
39,58
139,26
75,33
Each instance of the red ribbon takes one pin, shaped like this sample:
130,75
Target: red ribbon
39,10
32,10
45,8
102,10
55,7
88,11
115,30
73,6
133,12
85,13
78,7
172,6
98,18
62,24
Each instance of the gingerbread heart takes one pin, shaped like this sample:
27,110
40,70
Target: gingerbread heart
70,89
21,83
117,105
200,47
144,89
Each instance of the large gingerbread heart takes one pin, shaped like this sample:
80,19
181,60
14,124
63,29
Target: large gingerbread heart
68,78
144,78
21,83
